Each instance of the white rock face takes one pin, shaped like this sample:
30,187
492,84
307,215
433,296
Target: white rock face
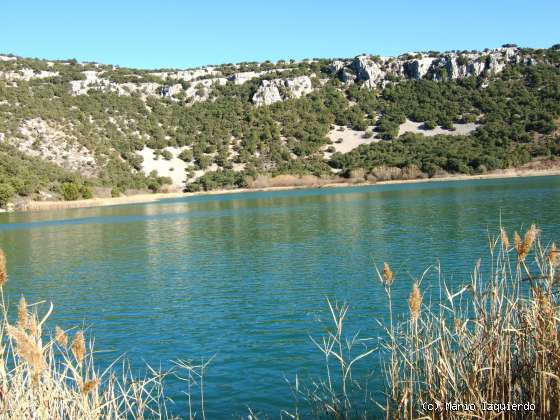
240,78
94,80
174,89
377,71
80,87
299,86
336,66
417,69
368,70
187,75
271,91
267,93
42,139
200,90
346,76
26,74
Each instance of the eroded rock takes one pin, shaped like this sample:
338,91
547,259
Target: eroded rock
377,71
271,91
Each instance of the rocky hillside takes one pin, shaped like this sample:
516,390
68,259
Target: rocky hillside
70,130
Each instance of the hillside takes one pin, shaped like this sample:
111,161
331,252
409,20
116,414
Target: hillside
71,130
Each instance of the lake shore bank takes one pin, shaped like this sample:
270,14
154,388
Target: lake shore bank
154,197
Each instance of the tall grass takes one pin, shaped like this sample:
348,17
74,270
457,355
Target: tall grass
54,376
459,353
495,340
492,340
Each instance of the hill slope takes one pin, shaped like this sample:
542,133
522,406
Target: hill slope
70,129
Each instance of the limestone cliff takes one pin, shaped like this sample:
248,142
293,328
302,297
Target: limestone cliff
373,70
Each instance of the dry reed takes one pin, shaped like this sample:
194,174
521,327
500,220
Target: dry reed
461,353
504,238
494,340
40,380
3,268
553,255
79,347
61,337
415,302
22,313
388,275
524,246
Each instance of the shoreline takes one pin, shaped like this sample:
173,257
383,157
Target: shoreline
34,206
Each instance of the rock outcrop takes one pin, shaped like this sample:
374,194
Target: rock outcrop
417,69
368,70
27,74
197,91
373,70
188,75
299,86
336,66
267,93
240,78
271,91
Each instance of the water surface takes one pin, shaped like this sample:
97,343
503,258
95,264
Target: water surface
245,277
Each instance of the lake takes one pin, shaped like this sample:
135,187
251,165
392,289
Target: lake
245,277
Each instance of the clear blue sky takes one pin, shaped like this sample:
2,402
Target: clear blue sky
173,33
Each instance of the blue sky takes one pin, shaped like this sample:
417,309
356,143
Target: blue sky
173,33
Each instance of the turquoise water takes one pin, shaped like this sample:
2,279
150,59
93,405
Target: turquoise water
245,277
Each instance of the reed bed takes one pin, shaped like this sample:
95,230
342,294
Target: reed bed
54,376
490,349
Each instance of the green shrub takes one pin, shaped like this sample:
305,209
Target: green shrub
186,155
86,192
203,161
70,191
6,193
429,125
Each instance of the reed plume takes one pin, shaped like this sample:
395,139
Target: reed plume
388,275
517,242
524,246
22,313
32,326
89,386
504,238
44,385
503,342
3,268
553,255
61,337
27,348
79,346
415,302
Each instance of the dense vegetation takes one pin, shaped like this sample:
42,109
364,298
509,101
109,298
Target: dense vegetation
517,111
23,175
